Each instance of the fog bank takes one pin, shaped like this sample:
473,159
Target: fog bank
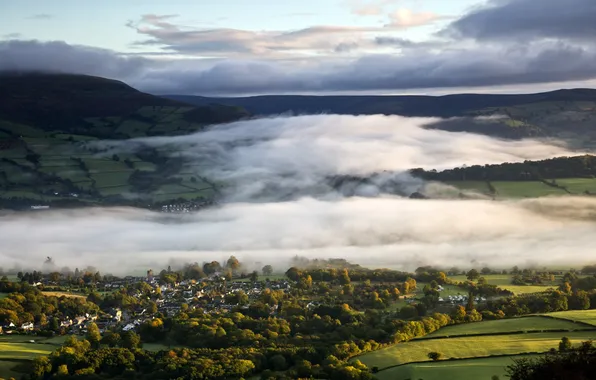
278,203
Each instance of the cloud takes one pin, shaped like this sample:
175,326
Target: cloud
528,19
11,36
57,56
425,66
406,18
291,154
42,16
223,42
476,66
288,157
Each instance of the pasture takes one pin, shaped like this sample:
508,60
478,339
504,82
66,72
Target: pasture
529,189
503,281
468,369
536,323
469,347
64,294
585,316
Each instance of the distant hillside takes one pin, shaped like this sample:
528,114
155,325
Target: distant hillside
72,103
562,113
551,177
47,122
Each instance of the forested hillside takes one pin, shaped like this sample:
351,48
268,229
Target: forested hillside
47,125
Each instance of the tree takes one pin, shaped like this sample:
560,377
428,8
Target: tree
344,278
577,363
267,270
306,282
472,274
152,308
254,276
62,370
278,362
233,263
565,344
41,366
93,334
435,356
115,157
111,339
130,340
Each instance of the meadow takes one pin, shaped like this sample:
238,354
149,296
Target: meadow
467,369
535,323
585,316
529,189
503,281
470,347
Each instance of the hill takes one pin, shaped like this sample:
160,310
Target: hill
541,114
557,176
75,103
48,120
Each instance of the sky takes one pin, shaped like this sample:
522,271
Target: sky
241,47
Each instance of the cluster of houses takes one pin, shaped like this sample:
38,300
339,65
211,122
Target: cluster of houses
185,207
208,295
460,299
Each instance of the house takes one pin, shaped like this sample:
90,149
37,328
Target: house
128,327
27,326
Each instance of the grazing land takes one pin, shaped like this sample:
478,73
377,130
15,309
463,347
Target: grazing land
468,369
503,281
526,324
64,294
470,347
585,316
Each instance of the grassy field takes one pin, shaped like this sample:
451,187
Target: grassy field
529,189
507,325
525,189
7,369
469,369
578,185
469,347
503,281
585,316
13,350
65,294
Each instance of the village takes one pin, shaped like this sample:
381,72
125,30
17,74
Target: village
149,297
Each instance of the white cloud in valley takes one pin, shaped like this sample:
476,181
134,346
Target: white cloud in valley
296,154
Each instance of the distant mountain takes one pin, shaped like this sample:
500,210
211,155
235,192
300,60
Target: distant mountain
49,121
553,113
66,102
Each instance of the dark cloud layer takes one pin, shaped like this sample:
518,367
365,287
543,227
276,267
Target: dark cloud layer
58,56
519,19
509,42
480,66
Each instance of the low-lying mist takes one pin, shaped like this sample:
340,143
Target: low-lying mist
278,204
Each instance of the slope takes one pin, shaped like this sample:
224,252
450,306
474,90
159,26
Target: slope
564,113
47,122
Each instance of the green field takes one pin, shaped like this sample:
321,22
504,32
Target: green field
529,189
578,185
10,350
507,325
3,295
469,369
8,369
503,281
585,316
524,189
469,347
